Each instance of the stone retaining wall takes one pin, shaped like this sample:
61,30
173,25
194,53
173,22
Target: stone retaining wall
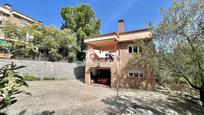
58,70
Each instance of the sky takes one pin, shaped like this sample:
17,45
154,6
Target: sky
135,13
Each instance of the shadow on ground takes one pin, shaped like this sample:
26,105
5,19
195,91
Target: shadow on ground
24,112
172,105
79,72
46,113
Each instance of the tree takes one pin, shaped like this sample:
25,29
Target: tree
179,38
36,41
150,60
54,43
11,31
82,21
11,83
16,36
146,58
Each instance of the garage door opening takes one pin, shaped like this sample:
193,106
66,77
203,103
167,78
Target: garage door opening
101,76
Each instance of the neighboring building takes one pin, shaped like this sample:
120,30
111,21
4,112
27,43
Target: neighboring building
7,14
108,55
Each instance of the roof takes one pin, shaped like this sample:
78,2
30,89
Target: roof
133,31
102,37
108,34
8,12
26,16
120,36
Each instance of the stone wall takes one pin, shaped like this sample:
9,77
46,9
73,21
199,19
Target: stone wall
58,70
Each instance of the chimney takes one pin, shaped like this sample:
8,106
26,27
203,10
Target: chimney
121,26
7,6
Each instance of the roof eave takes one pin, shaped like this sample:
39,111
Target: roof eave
99,38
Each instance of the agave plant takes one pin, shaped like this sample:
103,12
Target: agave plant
11,83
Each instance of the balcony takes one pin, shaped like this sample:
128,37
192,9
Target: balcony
101,58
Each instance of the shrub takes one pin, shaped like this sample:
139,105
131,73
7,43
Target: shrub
28,77
46,78
11,83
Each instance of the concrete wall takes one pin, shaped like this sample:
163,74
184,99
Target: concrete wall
59,70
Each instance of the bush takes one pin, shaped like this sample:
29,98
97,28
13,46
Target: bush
30,78
11,83
46,78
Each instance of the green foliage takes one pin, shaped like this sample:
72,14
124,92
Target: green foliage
180,43
28,77
81,20
145,59
47,78
43,42
179,40
11,83
11,31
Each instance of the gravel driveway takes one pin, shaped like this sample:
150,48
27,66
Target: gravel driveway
72,97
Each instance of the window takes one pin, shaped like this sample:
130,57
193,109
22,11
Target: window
141,74
135,74
133,49
131,74
130,49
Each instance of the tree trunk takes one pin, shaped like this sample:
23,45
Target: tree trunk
202,95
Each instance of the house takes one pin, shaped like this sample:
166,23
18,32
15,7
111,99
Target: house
7,14
107,59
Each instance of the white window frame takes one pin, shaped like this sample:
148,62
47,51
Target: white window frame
138,49
136,72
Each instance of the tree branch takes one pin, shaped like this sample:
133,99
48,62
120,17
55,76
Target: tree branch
197,57
181,72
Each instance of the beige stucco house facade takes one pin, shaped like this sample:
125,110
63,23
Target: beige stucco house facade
107,57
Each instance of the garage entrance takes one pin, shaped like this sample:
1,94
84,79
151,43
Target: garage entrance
101,76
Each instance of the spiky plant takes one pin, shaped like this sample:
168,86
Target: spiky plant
11,83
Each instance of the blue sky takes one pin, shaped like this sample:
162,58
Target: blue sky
136,13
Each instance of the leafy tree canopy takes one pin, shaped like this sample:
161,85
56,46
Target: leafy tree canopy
179,41
81,20
37,41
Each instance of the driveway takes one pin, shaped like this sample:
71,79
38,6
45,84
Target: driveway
72,97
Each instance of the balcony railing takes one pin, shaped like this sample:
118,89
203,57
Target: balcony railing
105,57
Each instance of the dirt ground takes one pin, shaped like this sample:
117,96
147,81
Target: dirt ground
72,97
